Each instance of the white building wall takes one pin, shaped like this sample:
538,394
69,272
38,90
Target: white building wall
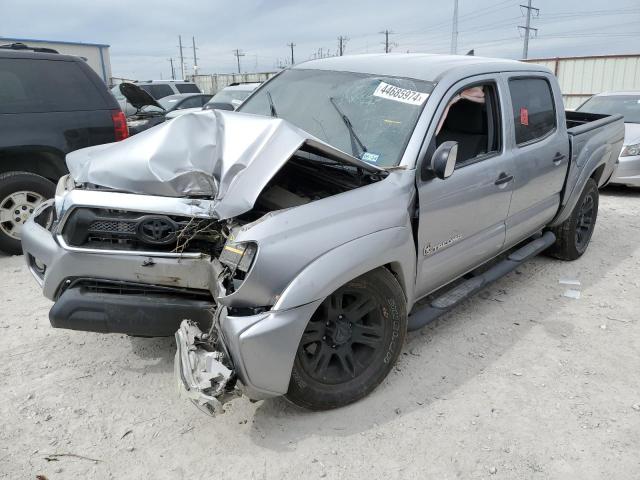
212,84
582,77
97,55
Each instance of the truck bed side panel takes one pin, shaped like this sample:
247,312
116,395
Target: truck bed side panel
595,142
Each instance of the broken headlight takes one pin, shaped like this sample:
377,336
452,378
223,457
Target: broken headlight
238,257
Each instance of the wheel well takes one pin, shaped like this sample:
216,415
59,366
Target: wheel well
46,163
597,174
396,269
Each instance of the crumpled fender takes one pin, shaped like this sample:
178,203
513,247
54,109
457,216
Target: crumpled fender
325,274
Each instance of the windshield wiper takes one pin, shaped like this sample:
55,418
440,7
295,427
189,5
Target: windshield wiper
272,107
354,137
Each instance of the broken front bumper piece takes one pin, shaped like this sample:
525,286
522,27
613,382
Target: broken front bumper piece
203,377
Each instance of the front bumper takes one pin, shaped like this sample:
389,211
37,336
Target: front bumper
261,349
627,172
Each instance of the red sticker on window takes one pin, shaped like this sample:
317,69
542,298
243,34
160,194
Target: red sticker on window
524,116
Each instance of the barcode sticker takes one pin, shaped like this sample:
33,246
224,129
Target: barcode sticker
398,94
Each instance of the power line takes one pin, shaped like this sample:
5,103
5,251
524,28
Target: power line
291,45
238,53
527,29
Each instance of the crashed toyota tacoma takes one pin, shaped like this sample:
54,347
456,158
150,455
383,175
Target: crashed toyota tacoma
294,242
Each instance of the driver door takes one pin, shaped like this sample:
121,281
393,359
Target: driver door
462,218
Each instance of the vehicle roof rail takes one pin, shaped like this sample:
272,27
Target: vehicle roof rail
24,46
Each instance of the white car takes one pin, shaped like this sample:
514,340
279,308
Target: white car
229,98
626,104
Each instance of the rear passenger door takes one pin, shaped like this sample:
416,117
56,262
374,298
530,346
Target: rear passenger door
541,151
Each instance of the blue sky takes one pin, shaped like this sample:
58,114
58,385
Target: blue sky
144,34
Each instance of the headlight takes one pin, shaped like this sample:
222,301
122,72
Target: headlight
239,256
137,123
630,150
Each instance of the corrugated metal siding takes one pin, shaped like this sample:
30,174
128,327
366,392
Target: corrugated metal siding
582,77
212,84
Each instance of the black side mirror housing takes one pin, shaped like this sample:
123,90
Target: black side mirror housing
442,163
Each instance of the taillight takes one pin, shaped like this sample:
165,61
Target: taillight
119,124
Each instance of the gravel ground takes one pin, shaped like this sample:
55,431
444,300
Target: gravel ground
519,382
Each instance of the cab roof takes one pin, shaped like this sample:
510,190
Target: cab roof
419,66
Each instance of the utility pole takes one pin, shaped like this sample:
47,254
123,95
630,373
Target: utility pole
173,72
291,45
387,45
238,53
195,58
342,42
181,56
527,28
454,29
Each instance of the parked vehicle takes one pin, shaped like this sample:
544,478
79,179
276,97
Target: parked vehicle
157,89
229,98
50,105
626,104
176,105
297,235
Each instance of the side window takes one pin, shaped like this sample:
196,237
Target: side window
187,88
157,91
534,114
472,119
192,102
33,86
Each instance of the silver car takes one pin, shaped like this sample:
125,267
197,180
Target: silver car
292,243
626,104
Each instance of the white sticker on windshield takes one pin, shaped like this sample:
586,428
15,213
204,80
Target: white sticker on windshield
369,157
398,94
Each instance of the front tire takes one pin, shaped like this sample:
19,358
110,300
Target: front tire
351,342
20,194
574,234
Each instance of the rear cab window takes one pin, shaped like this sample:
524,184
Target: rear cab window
534,113
36,86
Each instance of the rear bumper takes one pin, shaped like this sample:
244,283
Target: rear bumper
150,316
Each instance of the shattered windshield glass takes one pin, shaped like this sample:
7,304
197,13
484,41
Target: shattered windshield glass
368,116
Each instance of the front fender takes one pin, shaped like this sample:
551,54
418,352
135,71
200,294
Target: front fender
392,246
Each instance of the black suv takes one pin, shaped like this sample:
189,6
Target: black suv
50,105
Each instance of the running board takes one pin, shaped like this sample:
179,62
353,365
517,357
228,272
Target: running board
442,304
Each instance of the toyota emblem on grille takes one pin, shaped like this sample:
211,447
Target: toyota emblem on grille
157,230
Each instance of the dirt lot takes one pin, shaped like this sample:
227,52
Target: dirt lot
520,382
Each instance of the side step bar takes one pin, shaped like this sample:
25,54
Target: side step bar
426,314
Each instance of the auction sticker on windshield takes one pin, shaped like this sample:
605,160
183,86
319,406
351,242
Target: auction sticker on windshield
398,94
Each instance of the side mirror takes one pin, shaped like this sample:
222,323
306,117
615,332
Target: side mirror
443,161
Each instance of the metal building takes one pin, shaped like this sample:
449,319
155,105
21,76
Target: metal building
581,77
96,54
212,84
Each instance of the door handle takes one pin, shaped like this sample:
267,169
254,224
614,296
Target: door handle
558,158
503,178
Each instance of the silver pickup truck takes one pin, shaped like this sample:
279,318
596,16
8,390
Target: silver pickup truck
293,243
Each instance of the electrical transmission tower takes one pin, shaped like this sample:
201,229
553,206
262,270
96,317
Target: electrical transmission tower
342,43
238,53
291,45
454,29
528,28
181,57
388,46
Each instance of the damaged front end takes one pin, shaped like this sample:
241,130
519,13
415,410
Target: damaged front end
205,374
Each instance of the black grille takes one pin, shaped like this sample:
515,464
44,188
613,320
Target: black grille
113,226
117,230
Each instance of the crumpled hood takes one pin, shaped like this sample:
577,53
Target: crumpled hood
222,155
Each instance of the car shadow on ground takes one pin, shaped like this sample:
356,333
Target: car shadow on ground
452,351
159,349
620,191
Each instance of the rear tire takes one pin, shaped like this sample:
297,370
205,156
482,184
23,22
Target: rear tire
351,342
574,234
20,193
